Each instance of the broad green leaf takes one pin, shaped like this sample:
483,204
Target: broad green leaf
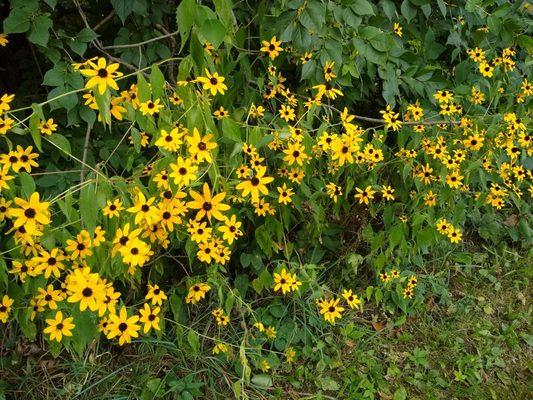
185,17
88,207
39,30
18,21
213,31
61,142
123,8
157,82
362,7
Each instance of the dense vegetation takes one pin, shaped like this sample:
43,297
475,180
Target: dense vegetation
304,198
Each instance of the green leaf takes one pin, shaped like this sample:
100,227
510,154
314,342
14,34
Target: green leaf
362,7
185,17
194,341
213,31
88,207
231,130
60,142
39,30
18,21
262,380
123,8
27,184
157,81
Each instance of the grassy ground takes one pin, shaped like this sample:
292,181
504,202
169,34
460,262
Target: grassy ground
473,341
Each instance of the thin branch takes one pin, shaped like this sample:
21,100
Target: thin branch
127,46
102,22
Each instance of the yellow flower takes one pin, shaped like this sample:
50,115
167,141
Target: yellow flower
135,253
397,29
169,140
272,48
290,354
351,298
387,193
208,205
328,70
113,208
200,147
220,348
101,75
3,40
255,185
285,194
287,113
454,179
197,292
331,310
47,127
213,82
183,172
283,281
87,289
4,178
486,70
5,125
156,295
59,327
295,153
306,57
151,107
150,318
230,229
123,326
364,195
145,210
29,213
49,263
455,235
5,307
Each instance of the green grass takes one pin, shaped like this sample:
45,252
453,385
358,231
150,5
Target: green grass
471,340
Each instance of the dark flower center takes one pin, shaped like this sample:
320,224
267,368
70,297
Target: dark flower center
207,206
102,73
145,208
254,181
30,213
134,251
87,292
122,326
202,146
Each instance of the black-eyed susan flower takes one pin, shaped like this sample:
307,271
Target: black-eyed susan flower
123,326
155,295
49,263
284,194
272,48
4,179
101,75
255,185
197,292
169,141
151,107
364,195
397,29
113,208
388,193
328,71
201,146
230,230
207,204
29,213
351,298
287,113
58,327
6,124
295,153
145,210
486,69
149,318
3,40
5,101
183,171
199,231
5,307
213,82
331,310
81,247
135,253
86,288
47,127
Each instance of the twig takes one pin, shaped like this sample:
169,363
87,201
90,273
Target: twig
127,46
102,22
